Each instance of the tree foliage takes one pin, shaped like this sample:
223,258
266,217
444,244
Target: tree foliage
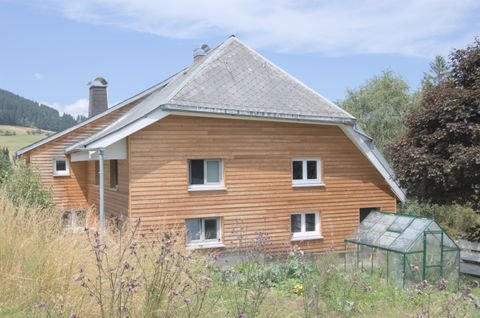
438,159
439,71
19,111
380,105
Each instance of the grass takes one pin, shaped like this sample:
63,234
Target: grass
48,272
21,139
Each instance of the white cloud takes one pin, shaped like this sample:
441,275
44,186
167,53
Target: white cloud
38,76
79,107
409,27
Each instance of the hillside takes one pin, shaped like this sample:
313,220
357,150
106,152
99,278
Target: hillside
16,137
19,111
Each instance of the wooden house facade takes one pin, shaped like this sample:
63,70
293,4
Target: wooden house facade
229,147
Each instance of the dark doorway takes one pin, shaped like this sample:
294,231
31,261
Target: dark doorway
364,212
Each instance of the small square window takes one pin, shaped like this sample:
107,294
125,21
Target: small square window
205,174
60,167
203,232
306,172
305,226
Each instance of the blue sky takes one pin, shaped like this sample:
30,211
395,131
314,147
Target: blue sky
51,49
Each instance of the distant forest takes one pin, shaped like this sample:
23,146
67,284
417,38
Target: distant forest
18,111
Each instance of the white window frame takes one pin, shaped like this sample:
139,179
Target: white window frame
303,235
61,173
304,182
206,185
202,242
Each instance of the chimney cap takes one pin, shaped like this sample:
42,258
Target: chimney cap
199,52
205,48
98,82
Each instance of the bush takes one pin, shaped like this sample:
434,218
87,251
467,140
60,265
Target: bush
5,164
23,186
455,219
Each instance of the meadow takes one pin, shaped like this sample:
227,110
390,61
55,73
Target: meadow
21,137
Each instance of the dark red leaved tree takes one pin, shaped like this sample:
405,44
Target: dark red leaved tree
438,158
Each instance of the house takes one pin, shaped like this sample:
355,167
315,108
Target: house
230,144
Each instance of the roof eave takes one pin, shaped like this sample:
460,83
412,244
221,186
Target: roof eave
258,114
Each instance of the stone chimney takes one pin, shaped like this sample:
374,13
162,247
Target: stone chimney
97,102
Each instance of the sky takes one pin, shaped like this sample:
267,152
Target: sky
51,49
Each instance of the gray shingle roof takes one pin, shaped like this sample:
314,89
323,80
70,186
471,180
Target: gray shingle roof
238,78
232,78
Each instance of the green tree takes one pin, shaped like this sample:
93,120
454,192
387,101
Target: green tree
380,106
439,71
438,158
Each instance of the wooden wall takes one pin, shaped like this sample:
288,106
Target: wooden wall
116,199
68,191
257,159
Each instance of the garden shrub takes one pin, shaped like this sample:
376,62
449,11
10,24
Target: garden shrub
23,186
455,219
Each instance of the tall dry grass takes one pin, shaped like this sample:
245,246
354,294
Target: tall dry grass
46,271
37,262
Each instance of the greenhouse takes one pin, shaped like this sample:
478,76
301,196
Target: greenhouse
404,249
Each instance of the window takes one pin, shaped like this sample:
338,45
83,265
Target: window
61,167
97,173
205,174
113,173
305,226
203,232
306,172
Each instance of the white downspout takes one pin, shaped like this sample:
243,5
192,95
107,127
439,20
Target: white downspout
102,191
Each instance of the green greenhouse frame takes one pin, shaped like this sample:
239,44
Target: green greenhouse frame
405,249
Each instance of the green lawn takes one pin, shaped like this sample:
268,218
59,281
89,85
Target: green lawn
21,139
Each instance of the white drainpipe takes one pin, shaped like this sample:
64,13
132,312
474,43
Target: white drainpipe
102,191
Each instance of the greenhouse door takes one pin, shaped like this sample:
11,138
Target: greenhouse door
432,256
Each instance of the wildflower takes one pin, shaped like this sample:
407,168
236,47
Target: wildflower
298,289
187,300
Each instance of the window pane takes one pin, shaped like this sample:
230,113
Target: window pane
61,165
97,173
296,223
113,173
297,170
310,222
211,229
196,172
311,169
213,171
194,229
